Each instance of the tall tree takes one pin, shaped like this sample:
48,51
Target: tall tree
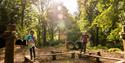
42,7
104,15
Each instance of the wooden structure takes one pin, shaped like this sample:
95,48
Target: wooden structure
74,54
10,36
123,38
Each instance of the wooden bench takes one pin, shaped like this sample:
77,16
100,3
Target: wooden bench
98,57
54,54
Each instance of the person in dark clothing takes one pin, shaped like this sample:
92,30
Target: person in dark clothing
84,42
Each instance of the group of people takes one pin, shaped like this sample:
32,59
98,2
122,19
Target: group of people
30,40
30,43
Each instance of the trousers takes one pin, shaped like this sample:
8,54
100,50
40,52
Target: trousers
32,52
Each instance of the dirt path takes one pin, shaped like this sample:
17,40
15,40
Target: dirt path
19,56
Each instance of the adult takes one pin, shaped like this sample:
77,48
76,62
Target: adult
84,41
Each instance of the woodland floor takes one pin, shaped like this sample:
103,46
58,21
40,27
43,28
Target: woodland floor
19,56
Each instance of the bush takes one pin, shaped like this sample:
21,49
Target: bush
97,47
114,50
114,44
54,42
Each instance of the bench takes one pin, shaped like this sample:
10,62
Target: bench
98,57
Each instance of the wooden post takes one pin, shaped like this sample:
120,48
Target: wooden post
80,55
98,59
10,37
123,38
124,46
53,55
73,55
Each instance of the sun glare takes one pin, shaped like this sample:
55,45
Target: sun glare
70,4
60,16
59,8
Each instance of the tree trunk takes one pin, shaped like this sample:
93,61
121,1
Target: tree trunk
23,9
44,33
4,20
38,30
52,32
59,34
97,30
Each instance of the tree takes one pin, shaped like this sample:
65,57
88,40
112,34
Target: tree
41,7
87,13
103,13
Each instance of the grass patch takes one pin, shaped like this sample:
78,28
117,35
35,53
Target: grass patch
99,47
114,50
95,48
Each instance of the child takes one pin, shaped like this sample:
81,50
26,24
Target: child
31,44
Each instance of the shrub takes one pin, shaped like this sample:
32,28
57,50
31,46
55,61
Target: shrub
114,50
54,42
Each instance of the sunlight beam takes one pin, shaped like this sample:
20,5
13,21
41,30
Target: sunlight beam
71,5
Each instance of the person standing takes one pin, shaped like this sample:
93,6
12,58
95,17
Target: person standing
31,44
84,42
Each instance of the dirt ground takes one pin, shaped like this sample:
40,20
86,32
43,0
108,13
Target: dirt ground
40,58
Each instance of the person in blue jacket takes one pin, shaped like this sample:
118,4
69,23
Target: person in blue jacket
31,44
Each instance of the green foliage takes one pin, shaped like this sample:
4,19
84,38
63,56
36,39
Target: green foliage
114,50
96,48
114,35
54,42
107,15
73,32
73,36
103,5
104,20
